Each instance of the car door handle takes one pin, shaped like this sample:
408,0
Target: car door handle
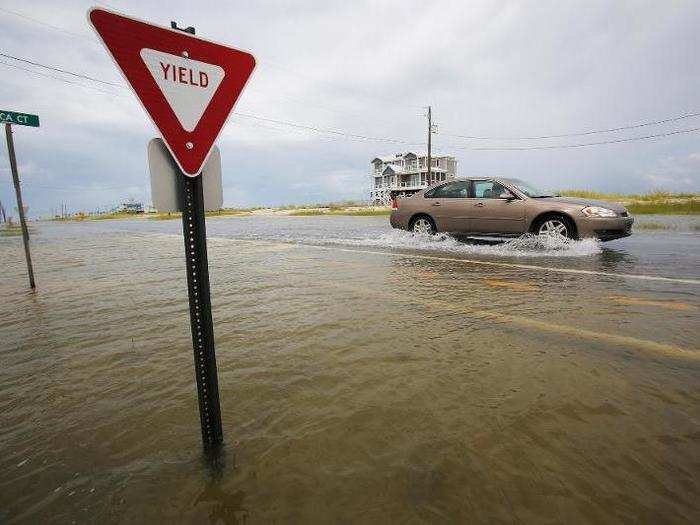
480,204
436,204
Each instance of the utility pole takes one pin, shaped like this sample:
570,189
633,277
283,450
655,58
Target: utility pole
20,206
430,132
3,217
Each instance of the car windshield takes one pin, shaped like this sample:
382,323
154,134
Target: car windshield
527,189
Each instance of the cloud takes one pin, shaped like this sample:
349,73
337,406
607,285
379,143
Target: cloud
675,173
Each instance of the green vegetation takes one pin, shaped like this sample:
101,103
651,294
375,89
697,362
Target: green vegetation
104,216
100,217
10,230
366,212
688,207
151,216
228,212
652,203
651,196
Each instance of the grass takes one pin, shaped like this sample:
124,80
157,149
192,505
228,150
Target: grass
652,203
100,217
105,216
657,195
10,230
368,212
150,216
689,207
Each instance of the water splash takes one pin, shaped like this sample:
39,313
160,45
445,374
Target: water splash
525,246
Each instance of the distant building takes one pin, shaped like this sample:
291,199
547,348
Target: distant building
406,173
131,206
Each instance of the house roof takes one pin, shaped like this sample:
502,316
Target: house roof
391,158
395,169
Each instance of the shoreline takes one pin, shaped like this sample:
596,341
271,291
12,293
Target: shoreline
653,204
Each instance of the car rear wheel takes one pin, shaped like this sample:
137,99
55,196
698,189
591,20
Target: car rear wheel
555,226
423,225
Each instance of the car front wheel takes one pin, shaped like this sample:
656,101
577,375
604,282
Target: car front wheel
556,227
423,226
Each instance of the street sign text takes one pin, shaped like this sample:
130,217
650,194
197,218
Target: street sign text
21,119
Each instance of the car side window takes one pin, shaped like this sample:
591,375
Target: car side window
452,190
488,189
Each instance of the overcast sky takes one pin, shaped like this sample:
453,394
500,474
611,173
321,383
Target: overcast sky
496,69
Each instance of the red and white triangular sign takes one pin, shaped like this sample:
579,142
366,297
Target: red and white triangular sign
187,85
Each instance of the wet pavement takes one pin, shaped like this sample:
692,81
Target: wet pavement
366,375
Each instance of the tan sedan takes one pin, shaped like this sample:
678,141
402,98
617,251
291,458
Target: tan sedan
507,207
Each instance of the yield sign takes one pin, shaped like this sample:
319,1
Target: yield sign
187,85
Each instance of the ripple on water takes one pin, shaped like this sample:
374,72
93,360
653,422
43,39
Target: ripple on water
524,246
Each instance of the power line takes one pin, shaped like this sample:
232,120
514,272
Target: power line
263,119
54,77
583,145
582,133
46,24
64,71
330,131
355,136
291,124
31,185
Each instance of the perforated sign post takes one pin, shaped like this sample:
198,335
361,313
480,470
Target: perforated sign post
188,86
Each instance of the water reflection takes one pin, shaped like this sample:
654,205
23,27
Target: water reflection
221,505
615,259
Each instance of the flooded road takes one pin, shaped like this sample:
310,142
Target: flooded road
365,376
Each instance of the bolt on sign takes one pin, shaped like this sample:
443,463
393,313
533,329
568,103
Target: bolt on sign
20,119
187,85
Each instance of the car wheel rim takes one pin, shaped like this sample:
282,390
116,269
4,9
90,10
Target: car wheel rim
554,228
422,226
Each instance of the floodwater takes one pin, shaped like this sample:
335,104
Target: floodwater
365,376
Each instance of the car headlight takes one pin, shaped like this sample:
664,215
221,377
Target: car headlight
597,211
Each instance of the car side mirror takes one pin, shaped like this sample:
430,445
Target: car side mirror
507,196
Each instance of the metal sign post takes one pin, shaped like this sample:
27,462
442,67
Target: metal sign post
195,233
22,119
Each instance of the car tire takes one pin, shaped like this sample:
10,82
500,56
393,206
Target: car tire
422,225
555,225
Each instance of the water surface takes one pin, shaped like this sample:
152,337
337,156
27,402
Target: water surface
365,376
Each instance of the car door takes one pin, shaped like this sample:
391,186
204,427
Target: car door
492,212
447,205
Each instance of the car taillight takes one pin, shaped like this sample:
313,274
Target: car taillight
394,203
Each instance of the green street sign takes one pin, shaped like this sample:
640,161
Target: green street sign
21,119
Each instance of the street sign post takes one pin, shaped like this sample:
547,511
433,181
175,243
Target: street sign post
11,118
188,86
